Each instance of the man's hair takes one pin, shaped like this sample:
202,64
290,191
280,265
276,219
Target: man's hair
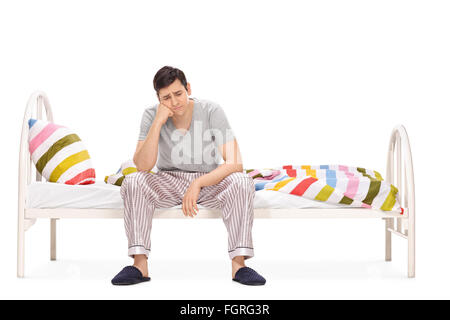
166,76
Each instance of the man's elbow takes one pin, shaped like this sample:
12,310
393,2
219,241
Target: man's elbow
239,167
141,169
137,164
142,166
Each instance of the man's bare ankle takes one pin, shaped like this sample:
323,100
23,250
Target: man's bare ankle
140,262
236,264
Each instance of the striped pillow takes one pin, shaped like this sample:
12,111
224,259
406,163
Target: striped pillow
58,154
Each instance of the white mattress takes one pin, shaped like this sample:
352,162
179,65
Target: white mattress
101,195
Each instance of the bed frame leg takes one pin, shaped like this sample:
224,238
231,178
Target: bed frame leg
20,251
389,224
53,239
411,259
411,249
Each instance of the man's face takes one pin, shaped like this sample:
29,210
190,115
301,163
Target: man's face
175,97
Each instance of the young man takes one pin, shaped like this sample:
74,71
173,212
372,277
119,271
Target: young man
186,138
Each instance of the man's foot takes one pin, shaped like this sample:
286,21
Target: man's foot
249,277
243,274
129,275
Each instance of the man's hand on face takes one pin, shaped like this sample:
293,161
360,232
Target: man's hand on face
190,200
163,113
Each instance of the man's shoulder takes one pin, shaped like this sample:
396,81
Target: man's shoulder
208,105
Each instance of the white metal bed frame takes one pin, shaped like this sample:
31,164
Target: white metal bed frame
398,146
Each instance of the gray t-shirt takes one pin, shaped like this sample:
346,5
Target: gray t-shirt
194,150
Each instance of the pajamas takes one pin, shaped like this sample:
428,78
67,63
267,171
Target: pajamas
143,192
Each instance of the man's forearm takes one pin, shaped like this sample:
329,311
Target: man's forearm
145,158
218,174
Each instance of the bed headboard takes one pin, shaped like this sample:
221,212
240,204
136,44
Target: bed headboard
33,110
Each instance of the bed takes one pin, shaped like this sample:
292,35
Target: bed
39,199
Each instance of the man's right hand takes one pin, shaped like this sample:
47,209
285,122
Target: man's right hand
163,113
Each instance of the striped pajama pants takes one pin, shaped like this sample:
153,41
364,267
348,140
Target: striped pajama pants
143,192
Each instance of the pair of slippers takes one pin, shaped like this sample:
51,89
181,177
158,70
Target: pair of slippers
132,275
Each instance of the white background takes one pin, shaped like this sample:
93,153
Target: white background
315,82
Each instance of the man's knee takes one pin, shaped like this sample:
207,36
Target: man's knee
243,182
134,181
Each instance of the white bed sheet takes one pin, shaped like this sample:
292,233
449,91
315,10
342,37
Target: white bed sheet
101,196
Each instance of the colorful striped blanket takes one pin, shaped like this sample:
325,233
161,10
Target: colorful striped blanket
334,184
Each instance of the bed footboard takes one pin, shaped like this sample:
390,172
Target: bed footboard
400,157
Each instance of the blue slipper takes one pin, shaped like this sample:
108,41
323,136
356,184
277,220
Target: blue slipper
129,275
248,276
